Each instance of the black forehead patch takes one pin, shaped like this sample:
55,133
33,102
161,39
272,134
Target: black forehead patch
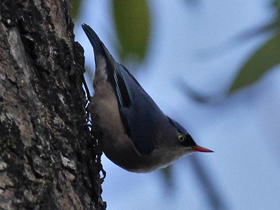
190,141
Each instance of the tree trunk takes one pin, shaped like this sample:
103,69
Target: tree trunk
48,157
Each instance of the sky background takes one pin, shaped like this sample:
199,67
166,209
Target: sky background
194,44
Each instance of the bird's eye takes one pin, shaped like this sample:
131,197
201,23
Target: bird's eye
181,137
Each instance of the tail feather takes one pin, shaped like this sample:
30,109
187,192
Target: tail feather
101,51
96,43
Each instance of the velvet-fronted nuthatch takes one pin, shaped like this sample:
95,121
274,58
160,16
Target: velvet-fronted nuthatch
135,134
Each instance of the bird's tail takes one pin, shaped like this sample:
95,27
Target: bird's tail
100,50
96,43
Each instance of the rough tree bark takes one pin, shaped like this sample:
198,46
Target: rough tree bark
48,158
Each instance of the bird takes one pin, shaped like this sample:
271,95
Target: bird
134,133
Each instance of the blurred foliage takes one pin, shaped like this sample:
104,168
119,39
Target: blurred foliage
76,5
201,98
133,25
265,58
213,194
168,176
259,63
276,5
192,2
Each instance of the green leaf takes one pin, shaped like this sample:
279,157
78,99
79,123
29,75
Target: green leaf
76,5
132,20
264,59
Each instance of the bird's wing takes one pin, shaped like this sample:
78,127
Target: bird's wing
143,117
140,115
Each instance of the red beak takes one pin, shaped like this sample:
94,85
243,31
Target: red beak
200,149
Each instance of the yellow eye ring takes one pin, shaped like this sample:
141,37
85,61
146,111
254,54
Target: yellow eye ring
181,137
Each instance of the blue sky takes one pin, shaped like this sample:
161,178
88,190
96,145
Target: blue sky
195,44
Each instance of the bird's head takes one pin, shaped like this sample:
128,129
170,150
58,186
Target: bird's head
184,139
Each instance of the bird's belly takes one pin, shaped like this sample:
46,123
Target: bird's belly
123,153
